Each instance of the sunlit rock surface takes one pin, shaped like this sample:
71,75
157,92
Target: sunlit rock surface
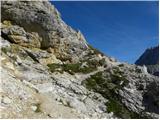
48,70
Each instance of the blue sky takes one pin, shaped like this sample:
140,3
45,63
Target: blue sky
119,29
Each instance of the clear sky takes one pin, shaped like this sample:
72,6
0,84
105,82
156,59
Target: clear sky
119,29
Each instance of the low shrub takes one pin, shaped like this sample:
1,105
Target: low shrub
53,67
3,49
96,51
71,68
38,105
107,87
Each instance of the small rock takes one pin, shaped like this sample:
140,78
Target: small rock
4,43
64,102
6,100
34,108
18,60
74,103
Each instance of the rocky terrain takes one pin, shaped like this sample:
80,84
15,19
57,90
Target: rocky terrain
48,70
150,58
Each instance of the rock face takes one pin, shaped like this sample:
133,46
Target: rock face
49,71
150,58
43,19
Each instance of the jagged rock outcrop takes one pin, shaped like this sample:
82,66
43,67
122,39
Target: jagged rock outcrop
150,58
43,19
49,71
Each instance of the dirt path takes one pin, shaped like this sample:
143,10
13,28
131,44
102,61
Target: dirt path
82,77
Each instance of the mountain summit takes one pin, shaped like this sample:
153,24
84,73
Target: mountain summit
150,58
49,70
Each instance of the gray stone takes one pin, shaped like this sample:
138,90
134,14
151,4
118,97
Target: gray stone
41,17
34,108
6,100
38,26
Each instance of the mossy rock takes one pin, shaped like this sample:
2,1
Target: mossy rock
7,23
5,49
15,48
38,105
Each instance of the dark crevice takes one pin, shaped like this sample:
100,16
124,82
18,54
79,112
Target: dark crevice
6,37
32,56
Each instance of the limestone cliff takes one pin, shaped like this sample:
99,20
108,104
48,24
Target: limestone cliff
48,70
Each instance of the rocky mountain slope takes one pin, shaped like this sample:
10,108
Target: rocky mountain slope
48,70
150,58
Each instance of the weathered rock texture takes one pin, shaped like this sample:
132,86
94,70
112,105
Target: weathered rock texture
43,19
49,71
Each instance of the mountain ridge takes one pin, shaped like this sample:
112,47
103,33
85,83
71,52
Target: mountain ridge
150,58
50,71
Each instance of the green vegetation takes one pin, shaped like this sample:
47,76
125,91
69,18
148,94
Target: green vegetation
58,15
118,109
15,48
121,65
84,66
92,82
7,22
102,62
93,63
114,105
96,51
9,49
119,78
53,67
121,81
71,68
107,85
38,105
4,49
138,70
63,58
78,68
